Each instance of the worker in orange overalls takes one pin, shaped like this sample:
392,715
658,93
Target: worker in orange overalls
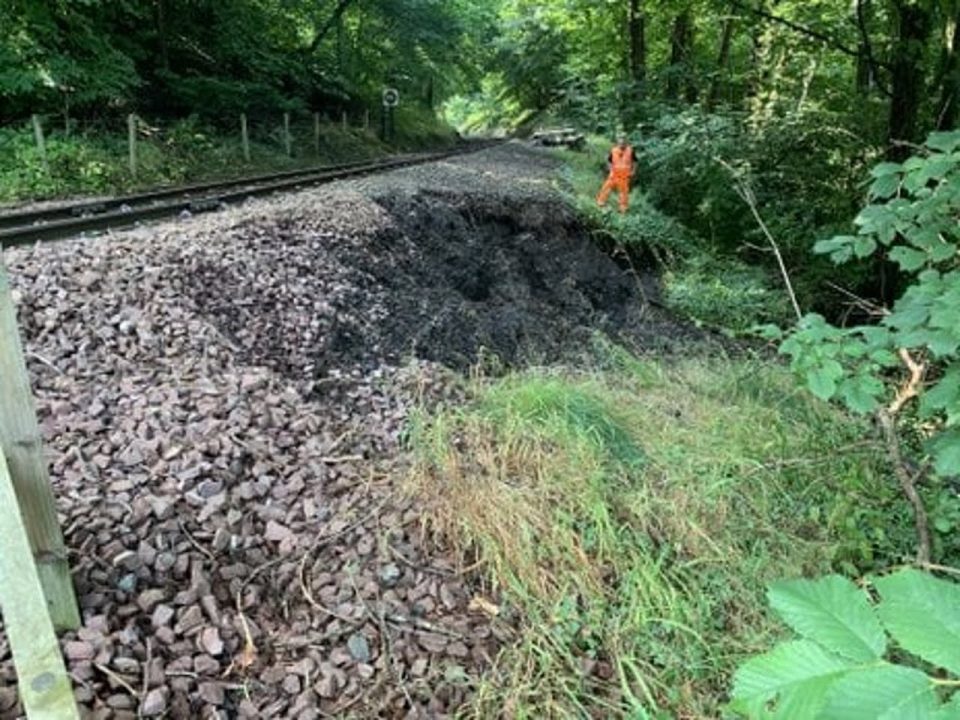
622,164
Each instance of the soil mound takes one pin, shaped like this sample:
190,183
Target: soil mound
447,278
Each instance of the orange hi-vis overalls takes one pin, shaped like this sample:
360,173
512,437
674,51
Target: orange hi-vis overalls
621,170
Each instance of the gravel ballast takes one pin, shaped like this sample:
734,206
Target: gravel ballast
222,399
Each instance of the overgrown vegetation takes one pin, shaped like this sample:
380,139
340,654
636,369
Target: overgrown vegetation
700,281
629,517
189,69
190,150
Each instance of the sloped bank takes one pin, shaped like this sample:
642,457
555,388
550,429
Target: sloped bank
222,402
448,277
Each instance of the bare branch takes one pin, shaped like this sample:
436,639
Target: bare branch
804,30
887,418
746,194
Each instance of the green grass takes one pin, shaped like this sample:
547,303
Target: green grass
630,516
189,151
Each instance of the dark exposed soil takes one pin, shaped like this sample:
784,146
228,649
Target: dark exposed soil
451,277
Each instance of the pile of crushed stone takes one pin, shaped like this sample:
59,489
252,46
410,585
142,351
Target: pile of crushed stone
222,399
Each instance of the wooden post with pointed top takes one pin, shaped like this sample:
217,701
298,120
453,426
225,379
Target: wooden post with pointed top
41,142
245,137
20,442
132,142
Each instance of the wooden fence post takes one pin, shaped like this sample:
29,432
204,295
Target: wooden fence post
41,143
316,134
132,142
20,442
45,687
344,120
245,137
366,120
286,134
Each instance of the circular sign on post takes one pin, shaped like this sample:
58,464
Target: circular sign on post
391,97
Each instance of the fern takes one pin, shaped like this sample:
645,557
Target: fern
859,659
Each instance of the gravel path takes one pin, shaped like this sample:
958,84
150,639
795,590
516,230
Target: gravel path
222,398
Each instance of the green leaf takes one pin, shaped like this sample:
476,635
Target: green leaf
832,611
944,394
885,169
822,380
823,247
922,613
943,141
950,711
860,393
885,691
796,674
884,187
864,247
908,259
946,453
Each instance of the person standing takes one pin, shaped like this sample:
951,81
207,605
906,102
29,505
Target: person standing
621,164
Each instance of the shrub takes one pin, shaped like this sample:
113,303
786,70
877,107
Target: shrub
725,293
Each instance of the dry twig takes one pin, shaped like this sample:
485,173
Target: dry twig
887,419
745,192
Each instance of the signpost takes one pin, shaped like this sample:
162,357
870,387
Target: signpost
391,99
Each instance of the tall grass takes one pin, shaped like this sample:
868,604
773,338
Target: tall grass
630,516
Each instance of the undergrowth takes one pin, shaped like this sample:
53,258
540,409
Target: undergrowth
190,150
710,288
630,517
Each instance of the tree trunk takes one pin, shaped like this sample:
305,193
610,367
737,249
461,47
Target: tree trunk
866,72
718,84
681,43
636,21
950,76
162,34
913,28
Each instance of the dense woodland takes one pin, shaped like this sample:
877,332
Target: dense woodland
798,190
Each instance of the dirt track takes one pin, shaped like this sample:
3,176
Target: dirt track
222,399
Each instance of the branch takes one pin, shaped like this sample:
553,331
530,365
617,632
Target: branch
804,30
886,416
328,25
746,194
911,388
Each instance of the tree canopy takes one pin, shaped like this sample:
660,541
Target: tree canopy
207,57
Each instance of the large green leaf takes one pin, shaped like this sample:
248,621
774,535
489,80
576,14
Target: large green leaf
950,711
832,611
797,675
946,452
922,613
886,691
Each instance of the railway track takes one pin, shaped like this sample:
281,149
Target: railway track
28,226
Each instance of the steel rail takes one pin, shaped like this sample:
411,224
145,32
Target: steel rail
65,221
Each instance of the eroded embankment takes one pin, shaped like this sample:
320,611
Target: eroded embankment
448,277
222,402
